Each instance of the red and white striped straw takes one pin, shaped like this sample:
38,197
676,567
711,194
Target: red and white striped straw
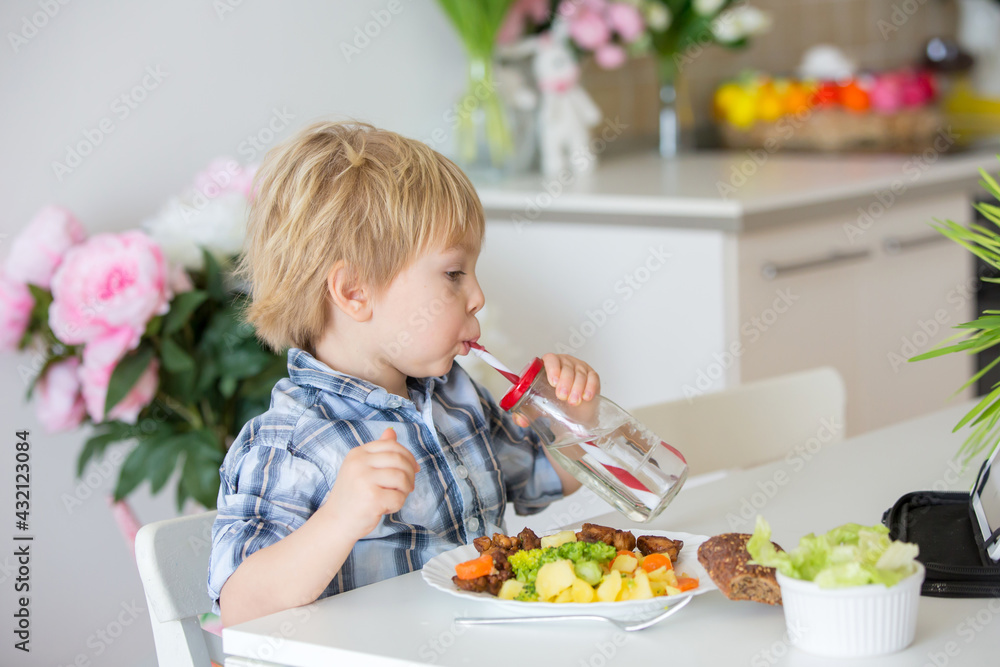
481,352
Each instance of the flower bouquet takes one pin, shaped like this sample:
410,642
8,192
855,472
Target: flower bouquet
138,333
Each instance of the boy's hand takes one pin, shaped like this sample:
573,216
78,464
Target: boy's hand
575,381
373,480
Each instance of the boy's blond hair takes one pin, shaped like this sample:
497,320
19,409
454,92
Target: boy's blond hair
345,191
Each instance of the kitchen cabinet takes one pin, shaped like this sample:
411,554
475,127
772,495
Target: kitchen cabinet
862,301
809,262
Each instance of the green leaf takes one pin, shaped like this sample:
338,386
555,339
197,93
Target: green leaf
163,460
200,475
153,326
213,277
181,309
175,359
133,470
95,445
126,374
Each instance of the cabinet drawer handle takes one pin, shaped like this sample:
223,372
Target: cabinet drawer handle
894,245
770,270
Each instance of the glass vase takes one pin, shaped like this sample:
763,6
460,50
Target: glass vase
484,145
676,114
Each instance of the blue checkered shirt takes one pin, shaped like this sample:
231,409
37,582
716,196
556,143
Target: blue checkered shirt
473,460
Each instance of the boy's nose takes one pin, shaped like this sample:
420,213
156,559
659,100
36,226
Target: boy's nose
476,300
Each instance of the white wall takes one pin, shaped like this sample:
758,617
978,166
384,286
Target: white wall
224,77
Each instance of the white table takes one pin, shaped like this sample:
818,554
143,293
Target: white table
402,621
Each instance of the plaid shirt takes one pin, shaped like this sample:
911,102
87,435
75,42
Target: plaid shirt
473,460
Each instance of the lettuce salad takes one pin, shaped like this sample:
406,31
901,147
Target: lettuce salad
848,555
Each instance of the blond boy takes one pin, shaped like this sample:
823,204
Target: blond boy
377,452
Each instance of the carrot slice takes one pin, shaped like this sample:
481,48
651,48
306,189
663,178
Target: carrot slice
477,567
656,561
686,583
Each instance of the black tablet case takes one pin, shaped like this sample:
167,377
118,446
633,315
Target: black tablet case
951,549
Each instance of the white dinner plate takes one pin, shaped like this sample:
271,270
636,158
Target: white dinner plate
439,570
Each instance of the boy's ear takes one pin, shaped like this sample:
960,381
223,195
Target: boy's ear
347,292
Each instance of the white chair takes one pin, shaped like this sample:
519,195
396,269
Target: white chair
740,427
172,556
752,423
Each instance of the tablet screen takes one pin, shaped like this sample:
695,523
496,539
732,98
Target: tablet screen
986,505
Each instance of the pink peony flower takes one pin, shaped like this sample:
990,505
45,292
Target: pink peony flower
626,20
517,17
610,56
109,283
39,249
588,29
222,175
100,356
178,279
59,405
16,303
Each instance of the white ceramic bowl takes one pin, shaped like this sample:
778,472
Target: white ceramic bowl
854,621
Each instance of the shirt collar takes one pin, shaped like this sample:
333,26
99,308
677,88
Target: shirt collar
306,370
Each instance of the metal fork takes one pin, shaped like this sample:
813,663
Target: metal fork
631,625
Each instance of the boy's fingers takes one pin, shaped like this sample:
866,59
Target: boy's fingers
393,459
553,367
388,434
520,421
393,479
566,377
376,446
593,385
579,384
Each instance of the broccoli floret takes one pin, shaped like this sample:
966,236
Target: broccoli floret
578,551
526,563
527,594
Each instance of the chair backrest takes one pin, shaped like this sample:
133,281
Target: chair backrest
172,557
753,423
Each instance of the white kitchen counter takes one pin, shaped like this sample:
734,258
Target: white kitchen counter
729,190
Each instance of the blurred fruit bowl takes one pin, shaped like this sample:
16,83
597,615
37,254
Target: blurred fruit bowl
894,111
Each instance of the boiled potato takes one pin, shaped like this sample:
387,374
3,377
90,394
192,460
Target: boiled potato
624,563
672,591
610,587
509,589
553,578
658,587
659,574
565,596
582,591
560,538
640,590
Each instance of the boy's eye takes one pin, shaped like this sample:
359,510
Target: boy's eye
453,275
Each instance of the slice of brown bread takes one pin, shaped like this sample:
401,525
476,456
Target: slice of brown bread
725,558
